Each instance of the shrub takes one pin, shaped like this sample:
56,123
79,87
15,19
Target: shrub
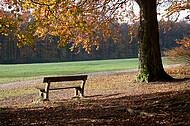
180,54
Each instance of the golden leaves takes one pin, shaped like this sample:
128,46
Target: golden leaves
19,45
173,9
132,32
184,42
83,23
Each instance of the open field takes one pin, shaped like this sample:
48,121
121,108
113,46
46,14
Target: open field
16,72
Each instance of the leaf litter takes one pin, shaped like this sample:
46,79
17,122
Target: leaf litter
109,100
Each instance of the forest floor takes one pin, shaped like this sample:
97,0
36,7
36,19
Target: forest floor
109,100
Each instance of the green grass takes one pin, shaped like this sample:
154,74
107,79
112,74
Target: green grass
15,72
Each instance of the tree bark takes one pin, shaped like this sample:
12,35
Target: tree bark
150,66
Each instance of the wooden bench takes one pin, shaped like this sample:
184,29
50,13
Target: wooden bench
44,92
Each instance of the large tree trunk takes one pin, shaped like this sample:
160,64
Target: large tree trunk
150,66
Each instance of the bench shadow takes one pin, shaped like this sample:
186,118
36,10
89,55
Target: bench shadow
92,96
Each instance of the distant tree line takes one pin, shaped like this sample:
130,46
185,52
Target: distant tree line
45,49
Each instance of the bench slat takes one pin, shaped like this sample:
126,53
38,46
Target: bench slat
64,78
57,88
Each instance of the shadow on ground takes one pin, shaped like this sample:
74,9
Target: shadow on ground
168,108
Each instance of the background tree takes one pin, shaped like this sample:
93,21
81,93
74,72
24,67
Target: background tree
47,51
81,23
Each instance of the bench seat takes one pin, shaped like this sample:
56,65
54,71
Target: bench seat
57,88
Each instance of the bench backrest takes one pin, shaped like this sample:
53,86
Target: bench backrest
65,78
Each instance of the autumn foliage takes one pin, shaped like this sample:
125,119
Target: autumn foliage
76,22
181,53
80,22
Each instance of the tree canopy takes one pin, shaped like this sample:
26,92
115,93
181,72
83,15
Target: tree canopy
76,21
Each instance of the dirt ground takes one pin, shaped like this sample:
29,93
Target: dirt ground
156,103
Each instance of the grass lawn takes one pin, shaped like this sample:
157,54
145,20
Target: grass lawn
16,72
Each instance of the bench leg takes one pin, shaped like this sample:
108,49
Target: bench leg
76,91
40,97
82,92
41,94
82,88
46,93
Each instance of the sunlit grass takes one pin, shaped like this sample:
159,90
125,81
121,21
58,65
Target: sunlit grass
17,72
